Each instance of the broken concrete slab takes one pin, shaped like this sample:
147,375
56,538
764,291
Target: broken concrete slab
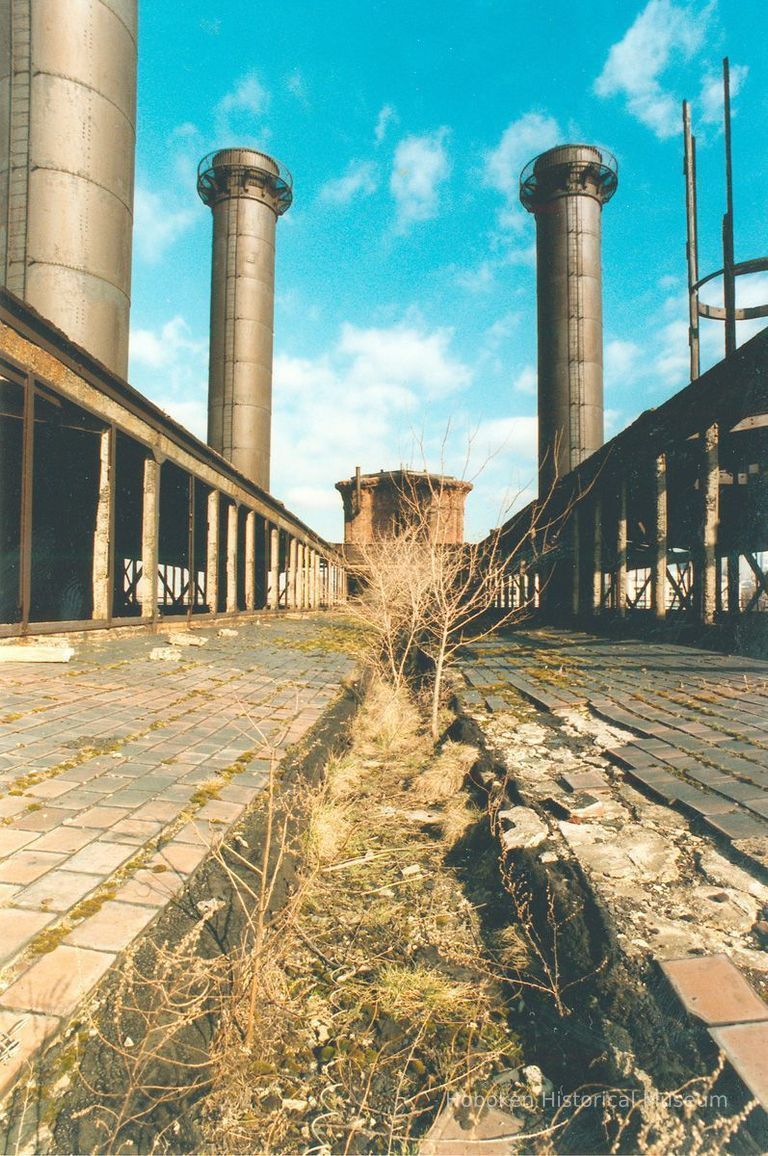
653,856
581,803
165,654
523,829
720,872
35,652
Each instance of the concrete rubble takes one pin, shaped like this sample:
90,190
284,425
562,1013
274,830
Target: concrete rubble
35,652
668,890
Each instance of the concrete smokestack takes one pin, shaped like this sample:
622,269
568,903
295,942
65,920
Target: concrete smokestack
247,192
566,189
67,144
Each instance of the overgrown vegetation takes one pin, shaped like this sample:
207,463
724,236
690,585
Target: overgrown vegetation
374,996
421,597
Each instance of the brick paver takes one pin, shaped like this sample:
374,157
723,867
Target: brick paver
713,990
700,719
101,768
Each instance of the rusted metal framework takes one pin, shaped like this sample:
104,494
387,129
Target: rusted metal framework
112,514
728,312
668,520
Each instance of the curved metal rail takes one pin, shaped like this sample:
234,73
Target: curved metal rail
215,180
602,171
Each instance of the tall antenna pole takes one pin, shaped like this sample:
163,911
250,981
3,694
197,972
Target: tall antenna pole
729,280
692,245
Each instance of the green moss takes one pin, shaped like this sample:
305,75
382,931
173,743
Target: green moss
205,793
48,940
93,904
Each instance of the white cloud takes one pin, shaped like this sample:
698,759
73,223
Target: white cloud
406,356
358,403
360,180
526,381
158,223
479,280
185,131
483,278
387,116
420,167
620,361
614,422
297,86
160,348
379,397
170,365
510,435
752,290
710,106
248,95
523,139
520,255
240,107
501,329
663,33
672,361
193,415
504,453
667,363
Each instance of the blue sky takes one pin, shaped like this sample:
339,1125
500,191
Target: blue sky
405,308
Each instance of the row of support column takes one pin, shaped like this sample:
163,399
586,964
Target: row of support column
596,588
295,575
704,549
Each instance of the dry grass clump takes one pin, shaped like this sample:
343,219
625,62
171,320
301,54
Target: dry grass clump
413,992
330,833
457,816
385,1000
443,777
511,949
389,723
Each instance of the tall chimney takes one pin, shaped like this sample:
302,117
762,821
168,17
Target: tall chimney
67,145
566,188
247,191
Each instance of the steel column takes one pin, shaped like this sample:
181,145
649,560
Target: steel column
103,535
734,584
597,555
659,565
576,562
620,581
27,495
710,518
